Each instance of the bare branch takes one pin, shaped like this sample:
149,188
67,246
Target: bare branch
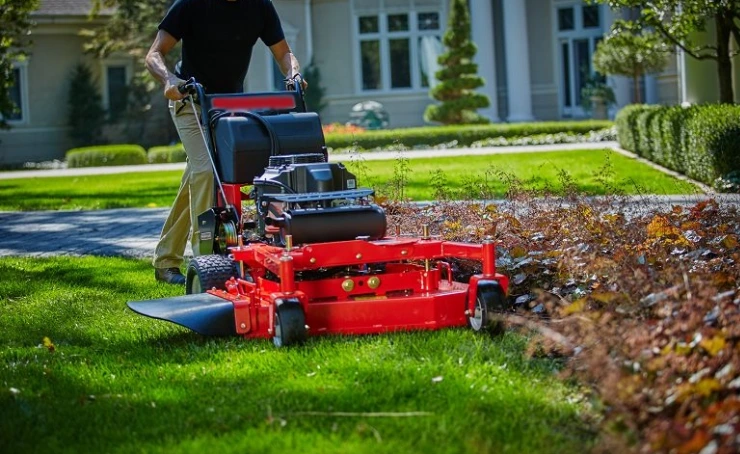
693,52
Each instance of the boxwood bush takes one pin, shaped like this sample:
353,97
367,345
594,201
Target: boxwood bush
713,142
626,122
673,137
461,136
166,154
106,155
701,141
643,136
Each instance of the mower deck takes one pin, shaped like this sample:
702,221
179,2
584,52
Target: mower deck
405,295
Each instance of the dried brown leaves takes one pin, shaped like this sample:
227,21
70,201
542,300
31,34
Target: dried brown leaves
645,296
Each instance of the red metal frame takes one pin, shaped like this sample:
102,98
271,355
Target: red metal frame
412,293
407,296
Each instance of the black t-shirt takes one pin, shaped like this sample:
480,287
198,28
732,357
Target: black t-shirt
218,36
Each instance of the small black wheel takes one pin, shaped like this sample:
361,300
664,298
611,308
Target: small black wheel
208,271
290,324
490,304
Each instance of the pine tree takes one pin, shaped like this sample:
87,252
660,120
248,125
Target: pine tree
458,74
86,113
15,24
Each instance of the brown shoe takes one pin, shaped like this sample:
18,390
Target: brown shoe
169,275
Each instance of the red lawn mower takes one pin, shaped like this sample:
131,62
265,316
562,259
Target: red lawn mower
314,257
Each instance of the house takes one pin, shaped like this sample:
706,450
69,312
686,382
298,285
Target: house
535,56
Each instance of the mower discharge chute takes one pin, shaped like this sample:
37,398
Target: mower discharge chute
314,258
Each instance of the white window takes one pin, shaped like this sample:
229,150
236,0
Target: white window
18,94
116,77
579,28
398,42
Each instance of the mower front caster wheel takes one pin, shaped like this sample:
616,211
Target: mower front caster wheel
490,304
208,271
290,324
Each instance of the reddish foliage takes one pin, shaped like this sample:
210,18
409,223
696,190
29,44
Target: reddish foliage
645,304
339,128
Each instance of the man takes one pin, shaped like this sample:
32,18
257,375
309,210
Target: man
217,40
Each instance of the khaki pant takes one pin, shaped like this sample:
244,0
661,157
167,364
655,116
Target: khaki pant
194,196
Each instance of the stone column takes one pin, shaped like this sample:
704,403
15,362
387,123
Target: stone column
516,43
481,21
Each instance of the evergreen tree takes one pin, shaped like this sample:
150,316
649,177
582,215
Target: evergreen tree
14,27
86,113
315,92
458,74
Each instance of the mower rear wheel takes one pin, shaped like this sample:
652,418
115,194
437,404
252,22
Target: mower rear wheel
208,271
489,308
290,324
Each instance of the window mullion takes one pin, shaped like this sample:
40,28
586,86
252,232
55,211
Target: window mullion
385,58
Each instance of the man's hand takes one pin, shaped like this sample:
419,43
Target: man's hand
172,88
292,76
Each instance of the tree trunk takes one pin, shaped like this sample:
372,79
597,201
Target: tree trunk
636,88
724,62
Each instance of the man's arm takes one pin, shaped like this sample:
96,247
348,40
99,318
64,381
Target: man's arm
284,57
162,45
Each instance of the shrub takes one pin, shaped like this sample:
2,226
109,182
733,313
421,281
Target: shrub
458,76
626,122
85,108
672,136
458,135
643,136
106,155
165,154
713,142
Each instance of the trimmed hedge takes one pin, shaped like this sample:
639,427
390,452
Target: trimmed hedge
167,154
626,122
702,141
106,155
462,136
713,145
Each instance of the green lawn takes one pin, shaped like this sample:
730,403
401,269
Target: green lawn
595,172
592,171
119,382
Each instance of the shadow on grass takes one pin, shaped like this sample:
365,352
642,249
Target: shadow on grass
267,401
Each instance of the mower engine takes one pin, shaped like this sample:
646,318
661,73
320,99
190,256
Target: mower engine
314,259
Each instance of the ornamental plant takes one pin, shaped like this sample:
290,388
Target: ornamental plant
458,75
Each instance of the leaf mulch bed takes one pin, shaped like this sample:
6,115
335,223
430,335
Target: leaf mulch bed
641,300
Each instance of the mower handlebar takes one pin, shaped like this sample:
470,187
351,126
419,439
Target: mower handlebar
188,87
295,83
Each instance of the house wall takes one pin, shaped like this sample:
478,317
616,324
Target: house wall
335,53
42,135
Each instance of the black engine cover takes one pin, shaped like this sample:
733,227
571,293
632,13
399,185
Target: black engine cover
243,144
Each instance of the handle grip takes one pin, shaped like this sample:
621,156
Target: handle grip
188,87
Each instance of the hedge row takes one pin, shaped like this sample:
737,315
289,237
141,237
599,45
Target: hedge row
126,154
165,154
462,136
701,141
410,137
106,155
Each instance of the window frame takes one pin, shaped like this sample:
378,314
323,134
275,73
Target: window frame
569,38
22,67
105,86
383,36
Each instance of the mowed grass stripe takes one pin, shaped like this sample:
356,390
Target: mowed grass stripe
119,382
595,172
